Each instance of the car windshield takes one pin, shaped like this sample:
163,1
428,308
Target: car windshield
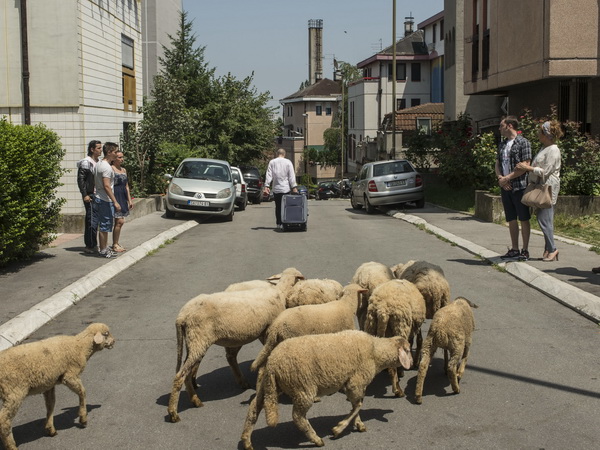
202,170
392,168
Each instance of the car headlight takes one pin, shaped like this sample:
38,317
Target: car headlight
224,193
175,189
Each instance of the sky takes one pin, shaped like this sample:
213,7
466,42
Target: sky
270,37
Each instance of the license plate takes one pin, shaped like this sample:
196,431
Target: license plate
197,203
396,183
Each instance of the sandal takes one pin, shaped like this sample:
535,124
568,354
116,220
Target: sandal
118,248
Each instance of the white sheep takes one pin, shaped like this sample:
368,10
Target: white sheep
429,280
228,319
313,292
37,367
451,329
397,308
312,319
308,367
369,275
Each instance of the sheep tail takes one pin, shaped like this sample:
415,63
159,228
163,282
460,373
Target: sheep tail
261,359
179,329
269,385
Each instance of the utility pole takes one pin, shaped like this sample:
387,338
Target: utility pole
343,120
393,152
25,63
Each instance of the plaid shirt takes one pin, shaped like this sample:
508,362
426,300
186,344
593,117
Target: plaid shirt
520,151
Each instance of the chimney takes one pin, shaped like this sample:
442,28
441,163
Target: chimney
408,25
315,50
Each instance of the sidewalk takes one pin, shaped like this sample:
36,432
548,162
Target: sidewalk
33,293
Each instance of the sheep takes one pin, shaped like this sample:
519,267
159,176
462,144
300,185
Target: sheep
451,329
370,275
37,367
307,367
397,308
429,280
228,319
312,319
253,284
314,292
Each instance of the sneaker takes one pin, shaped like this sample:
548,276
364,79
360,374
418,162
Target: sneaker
107,254
511,253
89,250
524,256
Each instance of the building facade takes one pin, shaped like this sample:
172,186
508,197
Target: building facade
534,55
306,115
85,73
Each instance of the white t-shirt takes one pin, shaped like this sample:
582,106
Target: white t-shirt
506,157
103,170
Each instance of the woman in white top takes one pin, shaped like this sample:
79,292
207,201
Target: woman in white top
545,169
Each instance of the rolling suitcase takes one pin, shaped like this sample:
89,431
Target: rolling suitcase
294,212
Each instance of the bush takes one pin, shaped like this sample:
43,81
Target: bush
30,158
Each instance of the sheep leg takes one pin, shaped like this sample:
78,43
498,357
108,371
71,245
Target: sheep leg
423,368
8,412
455,357
256,406
193,376
184,376
396,389
355,396
446,361
299,410
75,385
419,349
231,353
463,363
50,399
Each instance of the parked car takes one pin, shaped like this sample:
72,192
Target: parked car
387,183
241,195
203,187
254,183
327,190
302,190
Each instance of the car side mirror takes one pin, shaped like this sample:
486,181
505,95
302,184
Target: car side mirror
168,176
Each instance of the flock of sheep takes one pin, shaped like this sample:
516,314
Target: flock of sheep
311,346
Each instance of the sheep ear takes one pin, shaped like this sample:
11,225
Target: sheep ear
98,338
274,277
405,358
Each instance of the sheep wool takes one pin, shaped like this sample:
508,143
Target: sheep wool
313,292
308,367
369,275
37,367
451,329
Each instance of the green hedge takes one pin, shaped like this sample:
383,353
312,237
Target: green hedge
30,170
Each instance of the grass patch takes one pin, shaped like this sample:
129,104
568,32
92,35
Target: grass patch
438,192
583,228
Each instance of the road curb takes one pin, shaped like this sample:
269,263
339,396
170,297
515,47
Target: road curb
22,326
586,304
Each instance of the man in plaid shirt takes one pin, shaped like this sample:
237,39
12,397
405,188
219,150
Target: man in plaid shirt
511,151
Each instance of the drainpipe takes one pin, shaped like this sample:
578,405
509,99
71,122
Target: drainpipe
25,63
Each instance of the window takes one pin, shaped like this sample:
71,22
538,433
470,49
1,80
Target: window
415,72
400,71
351,114
434,33
415,102
442,30
328,109
128,74
400,103
367,72
319,110
424,125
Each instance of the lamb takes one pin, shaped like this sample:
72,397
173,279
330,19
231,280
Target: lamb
228,319
397,308
451,329
312,319
429,280
308,367
37,367
314,292
370,275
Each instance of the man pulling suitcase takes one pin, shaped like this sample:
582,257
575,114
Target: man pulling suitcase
281,173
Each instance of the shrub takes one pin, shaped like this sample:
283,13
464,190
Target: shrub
30,158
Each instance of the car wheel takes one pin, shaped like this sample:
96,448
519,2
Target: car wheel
368,207
354,204
169,214
242,206
420,203
229,217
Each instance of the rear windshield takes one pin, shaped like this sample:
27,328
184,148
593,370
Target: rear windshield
251,172
392,168
202,170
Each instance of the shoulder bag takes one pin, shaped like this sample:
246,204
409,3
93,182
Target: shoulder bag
537,195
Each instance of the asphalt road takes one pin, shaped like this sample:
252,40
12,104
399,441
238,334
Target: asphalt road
531,380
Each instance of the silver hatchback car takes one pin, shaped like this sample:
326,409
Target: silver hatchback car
203,187
387,183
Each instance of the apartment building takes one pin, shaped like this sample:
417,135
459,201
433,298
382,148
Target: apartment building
85,73
534,55
307,113
419,80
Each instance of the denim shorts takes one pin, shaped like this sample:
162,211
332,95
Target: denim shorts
513,208
105,213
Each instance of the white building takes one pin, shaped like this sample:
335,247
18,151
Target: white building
85,64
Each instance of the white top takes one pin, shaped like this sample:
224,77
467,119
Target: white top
281,173
546,169
506,156
103,170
